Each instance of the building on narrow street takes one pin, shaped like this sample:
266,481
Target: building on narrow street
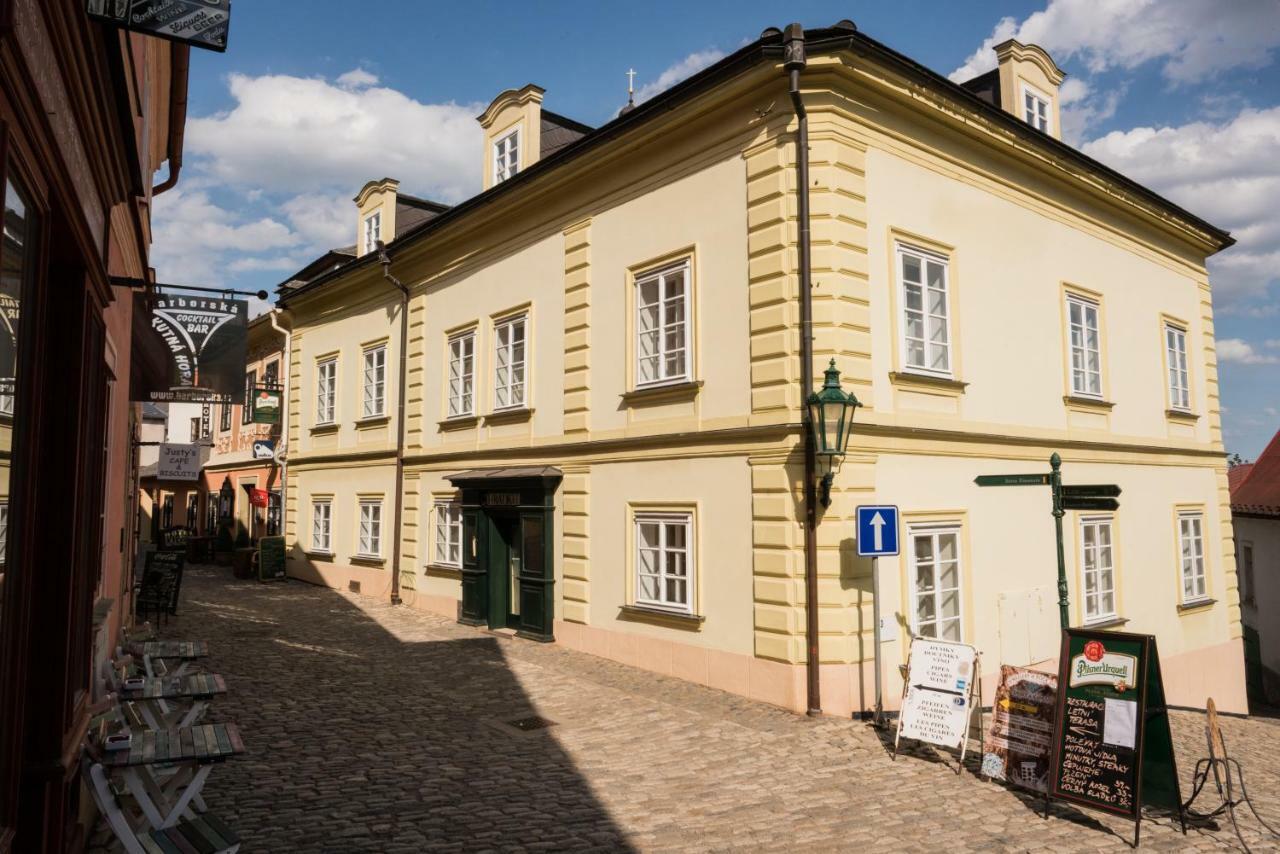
167,503
88,114
1255,515
603,440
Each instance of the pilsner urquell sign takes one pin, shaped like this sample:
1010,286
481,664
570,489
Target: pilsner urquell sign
199,23
205,338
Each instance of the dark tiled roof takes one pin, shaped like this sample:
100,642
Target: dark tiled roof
151,412
1258,492
985,86
558,131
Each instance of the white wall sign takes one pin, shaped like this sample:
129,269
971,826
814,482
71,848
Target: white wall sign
178,462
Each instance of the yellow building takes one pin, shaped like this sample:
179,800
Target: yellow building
603,396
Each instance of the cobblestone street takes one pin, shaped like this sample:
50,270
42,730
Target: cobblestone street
372,728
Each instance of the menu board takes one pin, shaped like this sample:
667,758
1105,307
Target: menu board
937,702
1113,749
1018,745
271,559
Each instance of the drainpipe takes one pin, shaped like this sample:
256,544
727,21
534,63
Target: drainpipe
180,73
794,62
385,260
284,419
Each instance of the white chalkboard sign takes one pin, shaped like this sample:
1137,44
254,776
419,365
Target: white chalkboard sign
939,696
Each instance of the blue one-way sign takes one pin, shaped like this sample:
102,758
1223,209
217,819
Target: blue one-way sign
877,530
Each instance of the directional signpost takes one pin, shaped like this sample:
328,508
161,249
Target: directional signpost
877,536
1073,497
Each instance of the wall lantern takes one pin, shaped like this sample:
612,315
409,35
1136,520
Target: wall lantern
226,499
831,417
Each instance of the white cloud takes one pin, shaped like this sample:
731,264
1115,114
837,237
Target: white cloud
1194,38
192,234
324,219
690,65
1083,108
1227,173
294,135
1238,350
1273,344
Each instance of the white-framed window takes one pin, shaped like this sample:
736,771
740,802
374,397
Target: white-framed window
1175,346
375,381
1035,108
321,524
509,362
935,582
662,325
664,561
1191,548
4,532
506,156
370,540
462,360
326,390
1245,571
926,324
1086,351
372,230
448,525
1097,563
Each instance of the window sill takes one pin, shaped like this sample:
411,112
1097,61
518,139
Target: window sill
657,617
928,382
318,554
1094,404
678,391
1107,623
372,421
508,416
330,427
458,422
1181,415
1196,606
369,560
442,570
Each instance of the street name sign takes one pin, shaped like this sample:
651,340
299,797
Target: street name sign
1089,503
1097,490
877,530
1012,480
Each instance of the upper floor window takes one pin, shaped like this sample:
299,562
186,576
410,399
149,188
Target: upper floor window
1191,542
662,325
506,156
1245,572
935,582
509,363
1086,352
1175,344
664,560
271,375
372,230
448,533
1098,568
326,390
195,429
926,325
246,408
1035,108
224,418
462,350
375,381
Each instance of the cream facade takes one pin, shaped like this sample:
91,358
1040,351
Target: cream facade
603,404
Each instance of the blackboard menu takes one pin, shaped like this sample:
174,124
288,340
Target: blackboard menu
167,562
271,559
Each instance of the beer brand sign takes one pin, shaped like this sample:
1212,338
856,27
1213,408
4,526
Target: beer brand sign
1096,666
205,339
199,23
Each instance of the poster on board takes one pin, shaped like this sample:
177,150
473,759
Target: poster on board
1017,747
205,338
938,698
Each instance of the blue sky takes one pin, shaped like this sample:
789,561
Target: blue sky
313,99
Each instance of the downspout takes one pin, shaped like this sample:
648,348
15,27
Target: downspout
284,420
385,260
794,62
181,71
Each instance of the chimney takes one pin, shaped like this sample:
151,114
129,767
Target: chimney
512,133
376,209
1029,81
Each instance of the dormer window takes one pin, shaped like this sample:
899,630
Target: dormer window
506,156
372,231
1035,108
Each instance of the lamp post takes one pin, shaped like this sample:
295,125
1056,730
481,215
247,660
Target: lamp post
830,415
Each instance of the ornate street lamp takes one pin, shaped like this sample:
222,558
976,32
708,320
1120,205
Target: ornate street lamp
831,417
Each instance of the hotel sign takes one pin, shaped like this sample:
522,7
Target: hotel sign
205,338
199,23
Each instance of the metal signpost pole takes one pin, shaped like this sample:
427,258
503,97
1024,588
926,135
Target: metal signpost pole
878,718
1055,482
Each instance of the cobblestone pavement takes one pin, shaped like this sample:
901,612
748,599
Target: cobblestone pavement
373,728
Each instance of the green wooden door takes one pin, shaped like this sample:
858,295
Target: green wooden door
504,560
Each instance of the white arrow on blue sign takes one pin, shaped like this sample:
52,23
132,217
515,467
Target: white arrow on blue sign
877,530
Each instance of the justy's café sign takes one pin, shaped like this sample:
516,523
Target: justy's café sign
204,338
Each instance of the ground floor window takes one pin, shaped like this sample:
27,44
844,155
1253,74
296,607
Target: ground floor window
664,561
371,527
448,533
166,512
935,582
210,514
193,510
1191,540
321,524
1098,567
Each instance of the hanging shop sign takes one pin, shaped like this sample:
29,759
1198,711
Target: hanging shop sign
264,449
178,462
938,698
266,406
1112,747
1018,745
199,23
205,339
258,497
